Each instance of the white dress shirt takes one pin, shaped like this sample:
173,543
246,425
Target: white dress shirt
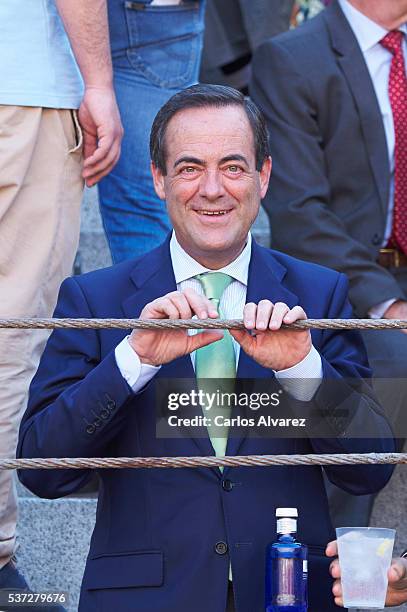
232,303
378,60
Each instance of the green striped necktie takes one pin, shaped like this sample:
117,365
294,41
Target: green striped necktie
215,364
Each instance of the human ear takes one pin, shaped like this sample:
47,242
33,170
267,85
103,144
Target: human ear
265,174
158,178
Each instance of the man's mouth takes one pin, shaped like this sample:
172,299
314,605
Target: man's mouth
213,213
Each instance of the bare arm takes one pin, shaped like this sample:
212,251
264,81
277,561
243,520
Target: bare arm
87,27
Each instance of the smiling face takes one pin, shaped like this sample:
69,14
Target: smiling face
211,187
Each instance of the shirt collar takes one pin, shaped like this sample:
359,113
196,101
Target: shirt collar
368,33
185,266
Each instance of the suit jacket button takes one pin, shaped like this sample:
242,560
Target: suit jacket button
377,239
221,548
227,485
91,429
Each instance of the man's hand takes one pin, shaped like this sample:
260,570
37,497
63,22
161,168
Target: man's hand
397,575
269,345
86,24
102,132
159,347
398,310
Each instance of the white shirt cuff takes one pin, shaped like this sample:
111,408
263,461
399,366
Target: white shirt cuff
377,312
135,373
302,379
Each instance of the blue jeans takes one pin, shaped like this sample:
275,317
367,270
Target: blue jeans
156,52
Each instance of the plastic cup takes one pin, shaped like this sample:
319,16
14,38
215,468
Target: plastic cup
364,558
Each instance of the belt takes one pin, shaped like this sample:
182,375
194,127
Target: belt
392,258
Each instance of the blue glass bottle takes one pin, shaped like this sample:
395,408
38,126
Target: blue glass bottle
286,567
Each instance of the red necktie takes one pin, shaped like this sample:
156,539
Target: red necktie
398,100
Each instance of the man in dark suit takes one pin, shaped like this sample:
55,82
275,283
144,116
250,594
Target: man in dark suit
333,182
165,539
339,192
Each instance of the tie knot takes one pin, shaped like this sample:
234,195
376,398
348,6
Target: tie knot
392,41
214,283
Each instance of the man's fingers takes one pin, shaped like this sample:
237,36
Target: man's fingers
181,303
331,549
163,308
263,314
335,569
105,153
295,314
249,315
279,311
398,571
337,591
105,145
97,177
103,166
90,144
203,339
337,588
200,304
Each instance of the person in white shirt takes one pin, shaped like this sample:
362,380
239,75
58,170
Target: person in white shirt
59,127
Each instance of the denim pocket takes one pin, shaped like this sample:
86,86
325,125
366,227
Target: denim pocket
165,41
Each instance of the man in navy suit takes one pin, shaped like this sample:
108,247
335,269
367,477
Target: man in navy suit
176,540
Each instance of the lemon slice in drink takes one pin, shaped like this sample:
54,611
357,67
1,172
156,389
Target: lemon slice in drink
383,547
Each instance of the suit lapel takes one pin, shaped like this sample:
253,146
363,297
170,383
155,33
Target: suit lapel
153,277
264,282
354,68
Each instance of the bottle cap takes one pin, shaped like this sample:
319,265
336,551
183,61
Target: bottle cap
286,513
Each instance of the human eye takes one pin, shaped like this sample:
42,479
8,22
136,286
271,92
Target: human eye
234,169
188,170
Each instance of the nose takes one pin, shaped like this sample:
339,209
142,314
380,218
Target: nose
211,185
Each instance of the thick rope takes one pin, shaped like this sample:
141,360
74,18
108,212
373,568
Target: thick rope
192,462
194,324
182,462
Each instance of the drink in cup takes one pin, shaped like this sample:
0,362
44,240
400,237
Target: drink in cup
364,557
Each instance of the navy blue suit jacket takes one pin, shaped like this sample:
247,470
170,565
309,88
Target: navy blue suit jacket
153,547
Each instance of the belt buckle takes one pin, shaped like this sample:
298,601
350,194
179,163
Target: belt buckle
395,255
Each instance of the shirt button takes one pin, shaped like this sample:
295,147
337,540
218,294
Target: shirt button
227,485
221,548
377,239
